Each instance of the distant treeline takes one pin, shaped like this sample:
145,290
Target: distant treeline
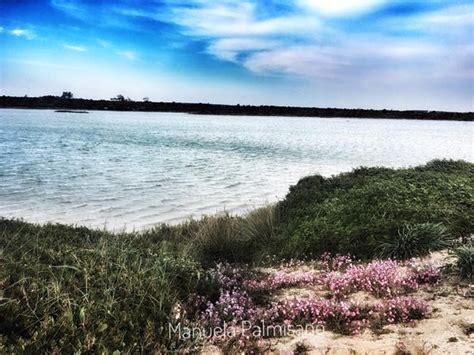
121,104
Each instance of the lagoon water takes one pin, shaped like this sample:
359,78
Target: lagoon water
133,170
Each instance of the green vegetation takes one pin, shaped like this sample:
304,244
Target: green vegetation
415,241
465,261
67,289
356,212
235,239
71,289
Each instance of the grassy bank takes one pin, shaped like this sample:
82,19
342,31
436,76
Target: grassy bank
66,289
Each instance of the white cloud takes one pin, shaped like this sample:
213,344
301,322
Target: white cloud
230,48
75,48
236,18
455,15
457,20
307,61
301,43
377,60
130,55
2,29
20,32
339,7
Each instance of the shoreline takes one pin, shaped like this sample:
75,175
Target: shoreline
58,103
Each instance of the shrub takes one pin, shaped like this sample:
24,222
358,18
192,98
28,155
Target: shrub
353,213
465,261
415,241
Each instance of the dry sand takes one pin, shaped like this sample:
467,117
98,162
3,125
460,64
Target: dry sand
452,308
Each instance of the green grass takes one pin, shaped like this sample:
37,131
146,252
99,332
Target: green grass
71,289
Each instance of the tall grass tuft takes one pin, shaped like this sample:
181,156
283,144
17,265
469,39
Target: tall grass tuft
233,238
415,241
219,238
261,224
465,261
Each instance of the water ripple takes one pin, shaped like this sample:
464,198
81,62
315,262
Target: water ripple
116,169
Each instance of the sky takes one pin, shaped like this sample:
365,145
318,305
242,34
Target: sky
393,54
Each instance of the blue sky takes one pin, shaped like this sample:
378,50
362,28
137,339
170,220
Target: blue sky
402,54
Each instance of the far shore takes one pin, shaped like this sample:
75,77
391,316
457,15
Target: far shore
122,104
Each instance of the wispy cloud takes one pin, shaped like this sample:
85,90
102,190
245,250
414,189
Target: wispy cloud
239,18
130,55
339,7
72,7
75,48
2,29
98,13
104,43
21,32
127,54
231,48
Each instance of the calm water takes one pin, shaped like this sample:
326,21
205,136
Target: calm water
136,169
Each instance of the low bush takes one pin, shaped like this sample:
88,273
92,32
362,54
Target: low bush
358,211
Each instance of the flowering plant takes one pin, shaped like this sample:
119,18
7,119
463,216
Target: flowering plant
390,280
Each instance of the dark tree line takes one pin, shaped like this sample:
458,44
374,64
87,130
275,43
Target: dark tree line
120,103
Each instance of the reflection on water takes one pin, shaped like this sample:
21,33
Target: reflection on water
138,169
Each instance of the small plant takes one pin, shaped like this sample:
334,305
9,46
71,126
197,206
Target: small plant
380,278
465,261
415,241
234,238
403,310
425,273
377,325
401,349
467,328
337,262
301,348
